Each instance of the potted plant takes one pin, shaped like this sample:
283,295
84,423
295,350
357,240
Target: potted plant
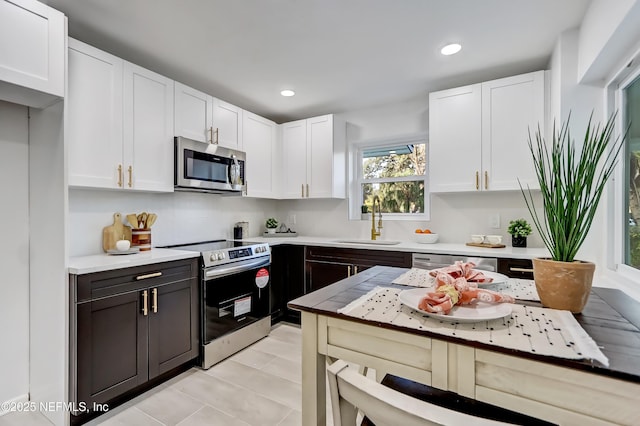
271,225
519,230
364,212
571,185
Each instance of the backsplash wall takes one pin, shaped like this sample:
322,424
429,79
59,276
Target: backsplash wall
183,217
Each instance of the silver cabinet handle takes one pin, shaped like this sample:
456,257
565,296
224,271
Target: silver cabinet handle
144,277
302,190
486,180
307,190
355,269
477,180
120,175
349,271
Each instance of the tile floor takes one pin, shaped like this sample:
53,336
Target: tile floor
260,386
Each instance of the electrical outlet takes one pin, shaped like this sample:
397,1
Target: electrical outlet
292,219
494,221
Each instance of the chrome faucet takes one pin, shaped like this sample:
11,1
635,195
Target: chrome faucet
375,233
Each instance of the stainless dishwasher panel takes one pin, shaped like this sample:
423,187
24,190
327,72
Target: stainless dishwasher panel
433,261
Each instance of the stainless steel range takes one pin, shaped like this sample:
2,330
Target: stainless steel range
234,278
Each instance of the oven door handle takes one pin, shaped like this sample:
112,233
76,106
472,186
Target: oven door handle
221,272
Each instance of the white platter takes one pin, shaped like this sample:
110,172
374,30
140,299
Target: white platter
497,277
480,311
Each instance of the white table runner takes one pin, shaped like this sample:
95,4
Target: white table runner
517,288
531,329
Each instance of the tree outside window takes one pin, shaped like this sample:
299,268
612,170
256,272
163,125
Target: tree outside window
396,174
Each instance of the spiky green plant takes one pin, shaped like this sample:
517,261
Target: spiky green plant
571,184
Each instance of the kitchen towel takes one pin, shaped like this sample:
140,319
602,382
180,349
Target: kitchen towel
536,330
516,288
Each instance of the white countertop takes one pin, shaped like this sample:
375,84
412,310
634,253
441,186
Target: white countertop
107,262
437,248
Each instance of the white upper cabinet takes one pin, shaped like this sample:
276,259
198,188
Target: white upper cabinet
94,110
260,146
148,129
203,118
193,113
478,134
120,123
32,53
313,158
294,159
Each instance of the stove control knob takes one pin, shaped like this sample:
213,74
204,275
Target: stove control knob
222,256
214,257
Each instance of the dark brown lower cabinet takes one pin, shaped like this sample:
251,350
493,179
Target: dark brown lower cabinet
131,326
327,265
516,268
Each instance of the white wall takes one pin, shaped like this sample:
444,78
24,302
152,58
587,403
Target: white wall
453,216
183,217
14,252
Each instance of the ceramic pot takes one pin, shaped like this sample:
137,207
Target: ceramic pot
563,285
271,230
518,241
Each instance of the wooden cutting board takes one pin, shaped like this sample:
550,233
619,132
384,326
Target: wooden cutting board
115,232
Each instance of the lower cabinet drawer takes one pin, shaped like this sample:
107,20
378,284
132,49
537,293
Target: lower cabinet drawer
516,268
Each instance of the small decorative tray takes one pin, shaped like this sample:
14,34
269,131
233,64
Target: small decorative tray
280,234
487,245
132,250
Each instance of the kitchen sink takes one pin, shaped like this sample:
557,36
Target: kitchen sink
370,242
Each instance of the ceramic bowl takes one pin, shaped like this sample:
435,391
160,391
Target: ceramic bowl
477,238
494,239
426,238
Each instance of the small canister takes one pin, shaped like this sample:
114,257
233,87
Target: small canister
141,238
245,229
237,232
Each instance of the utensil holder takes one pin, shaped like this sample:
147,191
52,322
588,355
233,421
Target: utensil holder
141,238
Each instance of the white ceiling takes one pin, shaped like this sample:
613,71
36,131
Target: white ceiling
338,55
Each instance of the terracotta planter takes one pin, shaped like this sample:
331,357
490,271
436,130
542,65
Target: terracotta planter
563,285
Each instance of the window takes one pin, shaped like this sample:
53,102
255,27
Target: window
631,179
395,171
623,205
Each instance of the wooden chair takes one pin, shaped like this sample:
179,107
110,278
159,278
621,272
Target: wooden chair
351,391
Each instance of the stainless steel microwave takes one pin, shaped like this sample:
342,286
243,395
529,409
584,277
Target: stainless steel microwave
205,167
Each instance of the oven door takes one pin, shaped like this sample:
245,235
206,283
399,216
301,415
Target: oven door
235,296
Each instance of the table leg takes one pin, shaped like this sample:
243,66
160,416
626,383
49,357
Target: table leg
313,374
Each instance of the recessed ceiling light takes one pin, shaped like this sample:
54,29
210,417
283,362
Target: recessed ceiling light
451,49
287,92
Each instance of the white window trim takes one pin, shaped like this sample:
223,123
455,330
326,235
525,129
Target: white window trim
616,269
355,171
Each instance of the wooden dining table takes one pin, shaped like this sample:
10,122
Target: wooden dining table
555,389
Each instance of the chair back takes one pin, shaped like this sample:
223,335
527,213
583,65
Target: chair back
351,391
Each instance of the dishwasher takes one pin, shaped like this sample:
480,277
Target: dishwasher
434,261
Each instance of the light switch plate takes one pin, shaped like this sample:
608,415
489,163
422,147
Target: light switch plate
494,221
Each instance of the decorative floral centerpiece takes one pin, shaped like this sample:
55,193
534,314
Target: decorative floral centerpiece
519,230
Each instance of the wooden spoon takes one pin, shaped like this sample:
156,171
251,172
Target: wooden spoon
133,220
151,219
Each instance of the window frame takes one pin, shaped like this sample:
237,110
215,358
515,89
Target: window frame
356,175
616,216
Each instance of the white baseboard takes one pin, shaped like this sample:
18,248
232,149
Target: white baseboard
11,402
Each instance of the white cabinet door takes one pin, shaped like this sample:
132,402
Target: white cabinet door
455,137
94,111
511,107
148,129
320,164
32,52
193,113
227,124
294,159
259,143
